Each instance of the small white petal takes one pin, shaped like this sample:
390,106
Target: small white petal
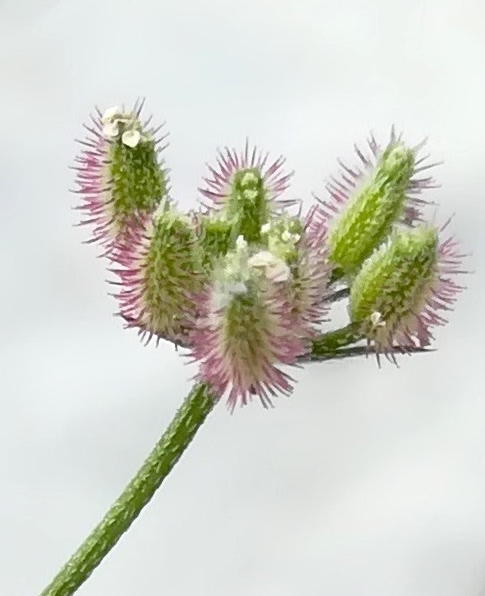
131,138
262,259
275,269
376,319
241,243
111,130
265,228
285,236
279,273
224,293
236,288
110,114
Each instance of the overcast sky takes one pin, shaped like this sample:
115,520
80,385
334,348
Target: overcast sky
364,482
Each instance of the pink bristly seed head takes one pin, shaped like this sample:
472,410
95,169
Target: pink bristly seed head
246,332
367,201
160,273
120,175
400,293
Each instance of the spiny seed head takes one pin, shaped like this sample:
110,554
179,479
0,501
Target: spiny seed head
311,274
160,273
366,203
248,207
397,296
245,333
370,214
245,187
301,243
216,236
120,175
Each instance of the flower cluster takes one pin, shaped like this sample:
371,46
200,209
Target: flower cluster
243,282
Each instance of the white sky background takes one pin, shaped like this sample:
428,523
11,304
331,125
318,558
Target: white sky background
364,482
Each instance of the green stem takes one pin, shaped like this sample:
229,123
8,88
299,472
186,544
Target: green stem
136,495
333,346
329,345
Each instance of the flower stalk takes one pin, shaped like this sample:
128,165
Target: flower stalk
136,495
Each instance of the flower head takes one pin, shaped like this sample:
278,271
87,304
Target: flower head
120,175
312,275
244,188
401,291
366,201
245,332
159,274
301,242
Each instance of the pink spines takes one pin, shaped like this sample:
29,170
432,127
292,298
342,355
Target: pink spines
230,161
245,333
120,175
311,275
159,274
342,187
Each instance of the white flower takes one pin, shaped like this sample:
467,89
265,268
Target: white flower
275,269
131,138
225,291
262,258
241,243
111,130
265,228
287,236
376,319
236,288
279,272
110,114
236,263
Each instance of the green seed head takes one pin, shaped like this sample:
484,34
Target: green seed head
377,205
162,274
248,205
395,283
136,180
216,238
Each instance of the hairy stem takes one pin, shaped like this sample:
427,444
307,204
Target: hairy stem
159,463
334,346
330,345
136,495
